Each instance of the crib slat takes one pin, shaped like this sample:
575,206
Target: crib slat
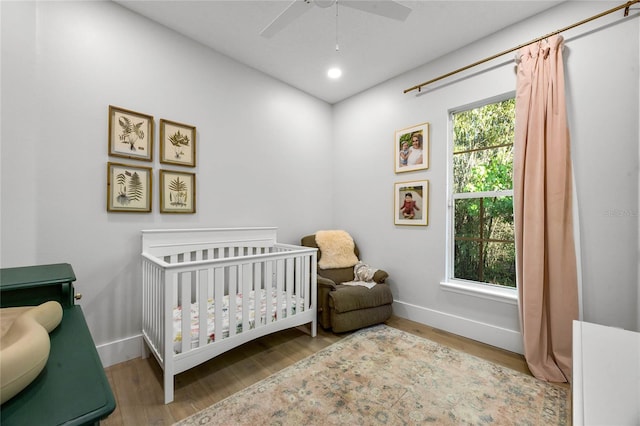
298,283
269,289
257,276
209,286
152,307
280,288
303,277
170,280
307,282
290,285
150,314
234,289
161,301
185,298
203,303
246,278
218,297
233,292
255,289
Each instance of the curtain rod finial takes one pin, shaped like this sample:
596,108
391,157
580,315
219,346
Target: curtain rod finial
628,5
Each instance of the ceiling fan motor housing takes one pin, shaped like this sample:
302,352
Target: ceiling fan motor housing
324,3
386,8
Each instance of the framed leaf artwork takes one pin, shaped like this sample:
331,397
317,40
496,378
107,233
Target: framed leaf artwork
177,143
130,134
177,192
128,188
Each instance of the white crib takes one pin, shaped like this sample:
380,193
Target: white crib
187,272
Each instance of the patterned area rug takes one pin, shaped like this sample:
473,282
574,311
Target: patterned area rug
382,375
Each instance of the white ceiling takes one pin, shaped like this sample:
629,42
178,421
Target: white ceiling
372,48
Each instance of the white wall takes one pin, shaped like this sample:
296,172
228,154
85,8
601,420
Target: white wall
604,114
19,134
264,148
602,62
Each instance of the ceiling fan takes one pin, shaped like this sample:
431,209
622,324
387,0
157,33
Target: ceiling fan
386,8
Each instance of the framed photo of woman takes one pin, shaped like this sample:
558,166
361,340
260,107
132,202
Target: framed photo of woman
411,146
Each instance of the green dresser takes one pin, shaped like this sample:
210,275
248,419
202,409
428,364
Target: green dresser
73,388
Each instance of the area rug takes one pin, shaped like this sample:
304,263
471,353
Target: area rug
382,375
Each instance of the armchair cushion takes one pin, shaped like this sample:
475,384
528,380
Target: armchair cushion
338,276
346,298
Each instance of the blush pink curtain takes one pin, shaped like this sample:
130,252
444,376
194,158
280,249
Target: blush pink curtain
545,251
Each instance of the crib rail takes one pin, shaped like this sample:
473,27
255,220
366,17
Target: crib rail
192,284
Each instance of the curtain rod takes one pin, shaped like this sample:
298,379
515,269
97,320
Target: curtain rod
625,6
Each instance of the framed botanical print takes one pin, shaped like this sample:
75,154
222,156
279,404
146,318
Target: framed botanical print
177,143
130,134
411,203
177,192
411,146
129,188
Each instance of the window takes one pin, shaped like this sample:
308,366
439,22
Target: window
482,247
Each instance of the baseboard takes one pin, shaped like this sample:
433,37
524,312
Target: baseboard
486,333
121,350
133,347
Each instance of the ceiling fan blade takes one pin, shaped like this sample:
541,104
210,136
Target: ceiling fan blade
294,10
386,8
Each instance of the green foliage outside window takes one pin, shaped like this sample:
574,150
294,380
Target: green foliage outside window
484,248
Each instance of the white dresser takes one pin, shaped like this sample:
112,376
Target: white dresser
606,375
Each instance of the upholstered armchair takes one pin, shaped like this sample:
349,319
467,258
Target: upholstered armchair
348,307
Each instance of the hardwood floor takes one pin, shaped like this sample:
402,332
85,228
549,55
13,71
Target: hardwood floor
137,384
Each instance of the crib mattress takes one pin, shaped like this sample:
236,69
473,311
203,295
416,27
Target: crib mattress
210,320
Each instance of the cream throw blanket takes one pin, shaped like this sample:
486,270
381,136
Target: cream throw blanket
336,249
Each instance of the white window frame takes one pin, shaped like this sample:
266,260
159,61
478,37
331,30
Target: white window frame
489,291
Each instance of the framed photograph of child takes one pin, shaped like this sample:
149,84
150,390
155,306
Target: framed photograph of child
128,188
411,203
177,143
411,146
130,134
177,192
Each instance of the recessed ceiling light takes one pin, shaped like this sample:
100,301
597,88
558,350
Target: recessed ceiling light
334,73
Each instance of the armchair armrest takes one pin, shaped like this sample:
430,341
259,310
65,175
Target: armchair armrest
326,283
380,276
325,286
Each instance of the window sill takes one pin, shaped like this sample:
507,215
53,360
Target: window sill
491,292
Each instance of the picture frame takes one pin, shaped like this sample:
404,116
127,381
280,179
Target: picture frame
177,191
129,188
411,146
411,203
177,143
130,134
